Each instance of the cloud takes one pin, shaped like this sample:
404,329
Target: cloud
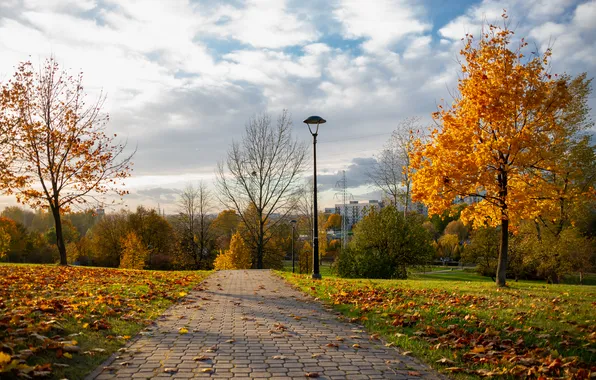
182,77
382,25
264,24
158,194
356,175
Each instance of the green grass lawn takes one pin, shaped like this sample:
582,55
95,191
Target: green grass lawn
461,324
63,322
325,268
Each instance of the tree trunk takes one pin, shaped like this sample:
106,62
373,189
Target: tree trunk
59,236
502,264
260,245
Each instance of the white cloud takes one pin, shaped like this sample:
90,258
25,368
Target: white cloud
585,14
263,24
382,22
182,77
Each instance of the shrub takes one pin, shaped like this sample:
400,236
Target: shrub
385,243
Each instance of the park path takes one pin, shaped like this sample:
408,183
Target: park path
251,324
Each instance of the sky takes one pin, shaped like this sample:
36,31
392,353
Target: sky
182,77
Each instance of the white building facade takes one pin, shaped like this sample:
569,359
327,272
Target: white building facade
354,211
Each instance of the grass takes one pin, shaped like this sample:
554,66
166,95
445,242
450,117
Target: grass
65,321
527,329
325,268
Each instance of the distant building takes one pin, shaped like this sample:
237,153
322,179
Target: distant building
355,211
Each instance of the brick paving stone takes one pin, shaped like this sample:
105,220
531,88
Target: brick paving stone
251,324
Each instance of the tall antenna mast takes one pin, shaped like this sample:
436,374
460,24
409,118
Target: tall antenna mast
342,185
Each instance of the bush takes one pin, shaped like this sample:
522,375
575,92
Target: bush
385,244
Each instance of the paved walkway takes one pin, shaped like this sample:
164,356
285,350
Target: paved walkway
251,324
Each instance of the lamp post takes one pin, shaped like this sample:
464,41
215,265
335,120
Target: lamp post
316,121
293,223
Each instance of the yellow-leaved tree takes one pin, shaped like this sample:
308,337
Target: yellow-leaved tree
134,252
4,242
504,138
55,150
237,257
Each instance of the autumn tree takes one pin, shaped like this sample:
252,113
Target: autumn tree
105,239
333,222
134,253
483,250
156,233
237,257
502,138
447,246
4,242
224,226
194,224
60,155
19,215
262,172
305,257
392,172
459,229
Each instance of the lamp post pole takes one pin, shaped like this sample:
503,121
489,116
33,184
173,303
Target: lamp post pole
315,120
293,223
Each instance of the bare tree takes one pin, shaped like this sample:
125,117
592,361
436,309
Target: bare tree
259,177
193,222
392,173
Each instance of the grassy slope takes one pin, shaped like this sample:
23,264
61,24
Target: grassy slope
526,328
95,310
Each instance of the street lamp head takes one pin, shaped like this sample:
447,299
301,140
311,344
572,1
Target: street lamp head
293,222
314,120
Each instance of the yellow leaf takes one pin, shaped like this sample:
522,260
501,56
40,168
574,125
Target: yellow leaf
183,330
182,294
85,325
67,355
4,358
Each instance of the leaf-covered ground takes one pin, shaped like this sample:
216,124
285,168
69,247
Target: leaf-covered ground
64,321
528,330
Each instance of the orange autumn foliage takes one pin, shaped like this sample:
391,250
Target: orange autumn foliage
56,153
503,137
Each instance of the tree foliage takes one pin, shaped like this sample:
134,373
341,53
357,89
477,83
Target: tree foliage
134,253
4,242
447,247
224,226
385,243
333,222
492,139
59,154
237,257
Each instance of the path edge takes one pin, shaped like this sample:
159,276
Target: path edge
112,358
399,350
